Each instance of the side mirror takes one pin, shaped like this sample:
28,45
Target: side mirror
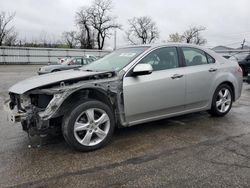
142,69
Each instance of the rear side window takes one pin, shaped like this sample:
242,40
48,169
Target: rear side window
195,56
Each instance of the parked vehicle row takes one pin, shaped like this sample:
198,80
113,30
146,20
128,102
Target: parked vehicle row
248,78
129,86
243,59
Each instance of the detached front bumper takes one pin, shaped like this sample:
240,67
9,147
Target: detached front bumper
12,115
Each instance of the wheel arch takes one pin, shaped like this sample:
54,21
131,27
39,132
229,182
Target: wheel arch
84,94
230,84
55,70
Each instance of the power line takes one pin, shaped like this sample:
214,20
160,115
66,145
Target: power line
232,43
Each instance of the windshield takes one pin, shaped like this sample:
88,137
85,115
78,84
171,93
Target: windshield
239,57
116,60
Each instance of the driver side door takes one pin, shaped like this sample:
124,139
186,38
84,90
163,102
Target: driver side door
156,95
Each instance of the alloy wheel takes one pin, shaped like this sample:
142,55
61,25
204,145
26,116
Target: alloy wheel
91,127
224,100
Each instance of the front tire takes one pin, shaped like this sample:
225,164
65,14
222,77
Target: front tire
89,126
56,70
222,101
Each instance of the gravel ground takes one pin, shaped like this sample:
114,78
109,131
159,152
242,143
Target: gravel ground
194,150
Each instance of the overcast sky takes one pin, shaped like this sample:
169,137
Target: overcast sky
227,21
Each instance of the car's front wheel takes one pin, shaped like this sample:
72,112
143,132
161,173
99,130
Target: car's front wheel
89,125
222,101
56,70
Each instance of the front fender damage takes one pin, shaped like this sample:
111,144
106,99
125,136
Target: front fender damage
111,86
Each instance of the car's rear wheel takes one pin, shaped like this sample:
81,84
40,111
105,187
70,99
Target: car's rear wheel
89,125
222,101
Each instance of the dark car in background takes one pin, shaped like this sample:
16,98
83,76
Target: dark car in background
244,61
248,78
66,65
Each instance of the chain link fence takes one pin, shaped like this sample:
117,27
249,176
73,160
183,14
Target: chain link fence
24,55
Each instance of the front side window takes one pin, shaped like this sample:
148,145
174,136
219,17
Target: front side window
162,58
194,56
74,61
77,62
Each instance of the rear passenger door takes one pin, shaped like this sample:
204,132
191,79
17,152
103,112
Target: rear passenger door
200,73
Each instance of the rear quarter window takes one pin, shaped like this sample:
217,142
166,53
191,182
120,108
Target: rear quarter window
210,59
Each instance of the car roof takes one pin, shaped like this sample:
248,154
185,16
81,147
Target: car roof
153,46
164,45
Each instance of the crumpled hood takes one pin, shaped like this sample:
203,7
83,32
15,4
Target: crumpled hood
47,79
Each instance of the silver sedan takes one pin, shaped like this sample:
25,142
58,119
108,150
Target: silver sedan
129,86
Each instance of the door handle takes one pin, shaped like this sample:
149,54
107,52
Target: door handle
175,76
212,70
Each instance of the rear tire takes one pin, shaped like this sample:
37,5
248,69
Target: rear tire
89,125
222,101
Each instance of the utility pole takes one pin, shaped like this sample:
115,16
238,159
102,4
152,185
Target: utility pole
243,43
115,40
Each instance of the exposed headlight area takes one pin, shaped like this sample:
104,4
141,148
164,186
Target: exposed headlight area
24,102
40,100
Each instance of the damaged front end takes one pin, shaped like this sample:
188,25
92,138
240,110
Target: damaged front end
41,110
28,109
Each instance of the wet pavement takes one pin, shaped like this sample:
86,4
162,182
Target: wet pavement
194,150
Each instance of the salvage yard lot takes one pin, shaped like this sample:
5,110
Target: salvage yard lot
194,150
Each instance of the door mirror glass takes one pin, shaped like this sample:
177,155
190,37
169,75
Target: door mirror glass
142,69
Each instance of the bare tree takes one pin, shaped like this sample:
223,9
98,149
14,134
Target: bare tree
175,37
5,31
192,35
83,41
101,20
142,29
43,40
11,39
69,38
85,35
